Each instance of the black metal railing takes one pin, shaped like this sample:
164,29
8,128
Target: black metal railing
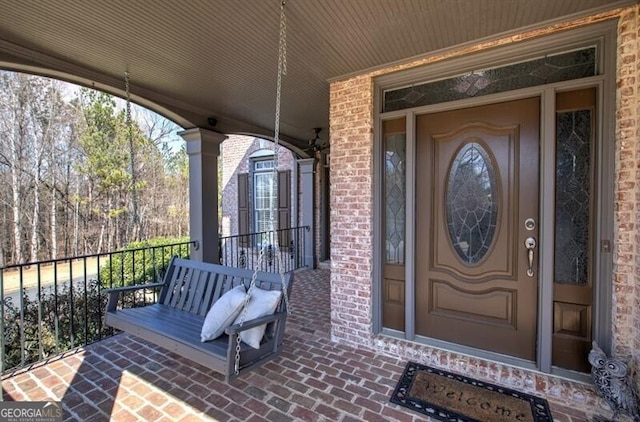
53,306
243,251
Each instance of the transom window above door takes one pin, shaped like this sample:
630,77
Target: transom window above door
576,64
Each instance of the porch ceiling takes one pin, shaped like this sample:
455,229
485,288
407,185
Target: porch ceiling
201,58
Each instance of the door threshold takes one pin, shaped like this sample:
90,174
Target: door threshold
498,358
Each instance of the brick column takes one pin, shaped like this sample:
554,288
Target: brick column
203,148
351,128
626,280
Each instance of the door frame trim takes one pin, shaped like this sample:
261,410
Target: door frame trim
603,35
546,232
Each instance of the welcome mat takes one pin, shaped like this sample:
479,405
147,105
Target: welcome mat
446,396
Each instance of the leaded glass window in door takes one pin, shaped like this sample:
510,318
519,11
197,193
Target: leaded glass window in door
573,196
573,289
395,158
471,202
394,193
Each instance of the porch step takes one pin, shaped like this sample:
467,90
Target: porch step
325,265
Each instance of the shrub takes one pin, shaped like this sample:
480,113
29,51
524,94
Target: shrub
60,320
142,262
72,314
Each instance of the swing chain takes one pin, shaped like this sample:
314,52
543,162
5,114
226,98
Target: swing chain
128,106
252,285
282,70
236,367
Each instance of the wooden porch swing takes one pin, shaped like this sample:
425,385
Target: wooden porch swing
224,318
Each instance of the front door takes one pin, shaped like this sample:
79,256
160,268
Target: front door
477,226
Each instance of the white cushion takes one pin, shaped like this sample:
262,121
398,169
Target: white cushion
261,303
223,312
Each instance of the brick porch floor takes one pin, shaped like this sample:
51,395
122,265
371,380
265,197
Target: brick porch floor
126,379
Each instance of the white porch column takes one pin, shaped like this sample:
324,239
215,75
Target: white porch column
203,149
306,206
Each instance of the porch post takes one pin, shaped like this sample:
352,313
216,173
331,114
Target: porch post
306,206
203,149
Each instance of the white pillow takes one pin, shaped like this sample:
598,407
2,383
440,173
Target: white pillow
223,312
261,303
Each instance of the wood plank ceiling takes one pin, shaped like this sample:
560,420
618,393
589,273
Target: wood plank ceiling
200,58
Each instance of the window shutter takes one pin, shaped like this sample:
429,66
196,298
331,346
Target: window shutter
284,208
243,208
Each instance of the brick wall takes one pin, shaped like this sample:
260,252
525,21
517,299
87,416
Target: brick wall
317,201
635,139
235,153
351,128
627,191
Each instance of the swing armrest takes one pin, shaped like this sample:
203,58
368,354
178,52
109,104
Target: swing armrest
237,328
130,288
115,292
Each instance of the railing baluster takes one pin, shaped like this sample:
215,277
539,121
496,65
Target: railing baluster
110,270
251,247
296,251
2,309
72,328
133,269
297,247
163,267
56,316
121,283
144,266
39,287
86,307
99,288
155,273
22,324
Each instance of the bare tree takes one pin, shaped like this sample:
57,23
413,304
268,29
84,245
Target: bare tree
69,172
13,127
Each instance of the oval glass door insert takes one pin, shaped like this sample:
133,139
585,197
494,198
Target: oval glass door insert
471,203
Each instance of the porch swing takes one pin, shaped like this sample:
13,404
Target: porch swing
224,318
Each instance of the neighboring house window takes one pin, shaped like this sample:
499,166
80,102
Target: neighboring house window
264,193
256,192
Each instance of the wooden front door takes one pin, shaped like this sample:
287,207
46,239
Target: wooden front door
477,198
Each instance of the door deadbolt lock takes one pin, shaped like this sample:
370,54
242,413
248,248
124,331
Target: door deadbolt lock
530,224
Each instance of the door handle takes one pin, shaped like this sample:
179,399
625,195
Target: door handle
530,244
